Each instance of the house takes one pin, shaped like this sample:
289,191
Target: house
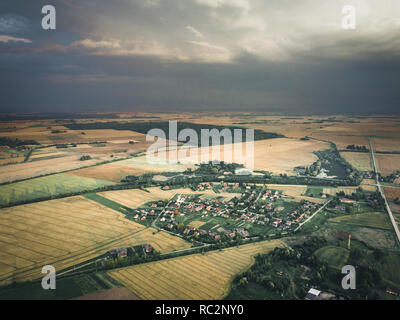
119,253
348,201
312,294
277,222
147,248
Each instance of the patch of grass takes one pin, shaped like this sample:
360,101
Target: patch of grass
44,187
335,257
66,288
370,219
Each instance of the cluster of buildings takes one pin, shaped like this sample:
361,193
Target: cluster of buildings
122,253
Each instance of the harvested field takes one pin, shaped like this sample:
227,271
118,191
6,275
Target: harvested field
44,135
368,185
359,160
290,190
116,171
197,276
391,193
66,232
387,145
52,185
388,163
332,191
44,166
274,155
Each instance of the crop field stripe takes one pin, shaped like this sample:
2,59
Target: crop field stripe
28,235
101,217
61,218
152,285
59,223
122,275
37,245
77,257
209,264
166,286
13,241
199,279
217,260
29,228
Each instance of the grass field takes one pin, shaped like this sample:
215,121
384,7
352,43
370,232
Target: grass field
197,276
371,219
336,257
359,160
47,186
66,232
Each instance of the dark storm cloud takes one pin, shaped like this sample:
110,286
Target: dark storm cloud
199,54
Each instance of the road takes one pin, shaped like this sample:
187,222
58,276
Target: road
378,184
310,217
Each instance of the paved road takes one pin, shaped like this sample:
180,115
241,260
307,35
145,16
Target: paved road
394,223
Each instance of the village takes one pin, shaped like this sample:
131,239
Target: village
254,211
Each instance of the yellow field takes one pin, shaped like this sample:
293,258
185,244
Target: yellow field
196,224
347,190
290,190
197,276
274,155
359,160
65,232
367,185
116,171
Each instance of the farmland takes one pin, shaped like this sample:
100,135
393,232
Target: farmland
220,218
370,219
66,232
392,192
197,276
47,186
116,171
273,155
359,160
388,163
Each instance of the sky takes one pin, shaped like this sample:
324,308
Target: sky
289,56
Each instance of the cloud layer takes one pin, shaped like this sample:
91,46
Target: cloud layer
286,55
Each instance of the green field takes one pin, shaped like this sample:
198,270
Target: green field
66,288
371,219
44,187
336,257
389,268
